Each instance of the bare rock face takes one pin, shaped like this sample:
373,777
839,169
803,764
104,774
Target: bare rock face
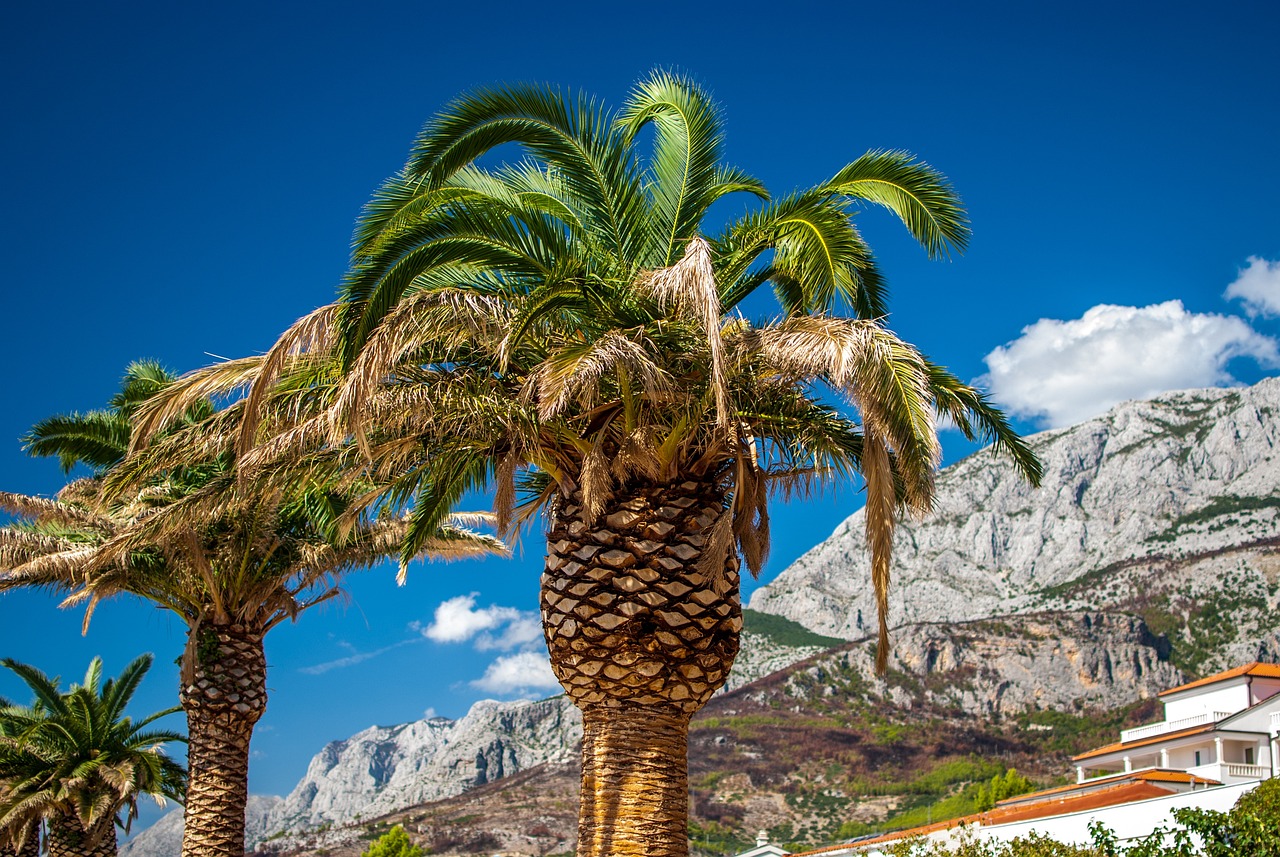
164,838
1138,496
385,768
997,667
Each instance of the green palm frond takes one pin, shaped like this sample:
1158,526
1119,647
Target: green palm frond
920,195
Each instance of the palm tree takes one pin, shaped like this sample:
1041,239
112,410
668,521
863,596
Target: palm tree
568,330
172,523
74,760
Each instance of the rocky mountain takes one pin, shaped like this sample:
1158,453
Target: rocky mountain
164,838
386,768
823,742
1167,508
1030,624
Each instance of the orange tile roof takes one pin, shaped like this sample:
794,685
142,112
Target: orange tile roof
1144,742
1120,793
1254,669
1155,775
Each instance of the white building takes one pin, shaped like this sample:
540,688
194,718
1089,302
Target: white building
1219,738
1221,729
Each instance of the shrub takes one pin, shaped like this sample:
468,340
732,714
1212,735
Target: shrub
394,843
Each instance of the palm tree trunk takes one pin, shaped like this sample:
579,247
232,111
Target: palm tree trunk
30,847
640,639
224,678
635,782
68,837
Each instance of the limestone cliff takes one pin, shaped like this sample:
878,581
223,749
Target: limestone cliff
1163,507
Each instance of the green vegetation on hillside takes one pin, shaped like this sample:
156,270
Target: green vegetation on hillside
394,843
784,632
1217,507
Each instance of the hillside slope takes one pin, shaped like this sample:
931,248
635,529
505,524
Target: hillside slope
1166,507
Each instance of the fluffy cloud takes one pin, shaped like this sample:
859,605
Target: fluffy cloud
457,620
521,673
1062,372
1258,287
522,631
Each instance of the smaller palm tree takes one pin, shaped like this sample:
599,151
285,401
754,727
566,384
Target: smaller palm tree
76,762
175,522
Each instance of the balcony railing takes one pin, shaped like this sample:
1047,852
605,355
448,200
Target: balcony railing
1165,726
1248,772
1229,772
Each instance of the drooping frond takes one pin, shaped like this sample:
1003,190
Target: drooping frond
920,195
685,166
315,332
193,391
978,419
689,286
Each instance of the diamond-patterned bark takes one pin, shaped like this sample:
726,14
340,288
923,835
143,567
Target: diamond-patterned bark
627,615
224,693
68,837
640,639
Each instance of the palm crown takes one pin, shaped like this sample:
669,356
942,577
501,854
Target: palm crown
76,756
568,324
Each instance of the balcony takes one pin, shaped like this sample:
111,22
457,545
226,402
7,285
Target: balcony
1230,772
1166,726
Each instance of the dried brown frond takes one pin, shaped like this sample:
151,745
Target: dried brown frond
690,287
574,374
171,403
314,332
504,495
884,377
63,570
43,509
596,481
717,550
638,456
441,320
877,469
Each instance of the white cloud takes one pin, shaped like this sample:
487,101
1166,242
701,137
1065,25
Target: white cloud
457,620
521,673
520,632
1062,372
1258,287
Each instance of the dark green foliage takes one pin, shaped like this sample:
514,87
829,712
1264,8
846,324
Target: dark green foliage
1216,508
76,753
784,632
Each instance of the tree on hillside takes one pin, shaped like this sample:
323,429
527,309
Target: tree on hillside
74,761
394,843
568,330
172,523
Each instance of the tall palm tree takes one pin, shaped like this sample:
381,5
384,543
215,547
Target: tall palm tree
172,523
75,761
568,330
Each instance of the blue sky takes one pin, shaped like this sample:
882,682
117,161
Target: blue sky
180,182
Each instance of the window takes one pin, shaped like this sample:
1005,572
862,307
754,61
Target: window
1197,757
1248,755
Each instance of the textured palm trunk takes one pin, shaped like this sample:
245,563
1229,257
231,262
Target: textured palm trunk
640,639
68,838
30,847
224,678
